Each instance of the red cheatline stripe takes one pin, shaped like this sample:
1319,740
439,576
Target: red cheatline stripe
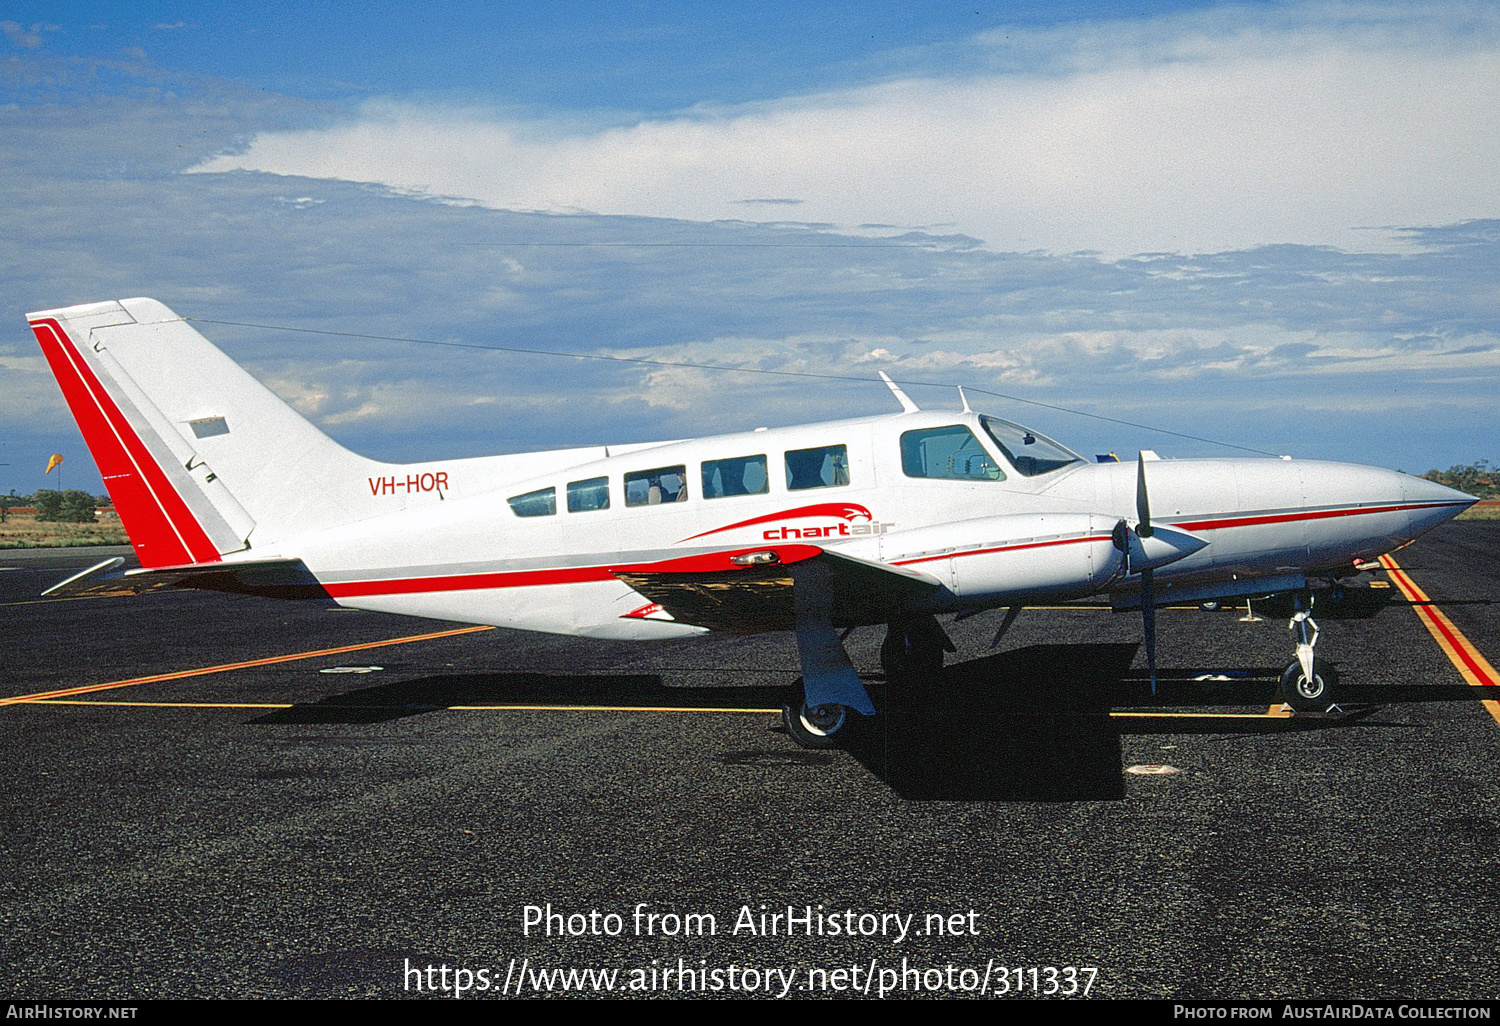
249,663
1322,514
708,562
1003,548
470,582
159,522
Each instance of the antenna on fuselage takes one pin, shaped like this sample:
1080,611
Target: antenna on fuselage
964,399
907,406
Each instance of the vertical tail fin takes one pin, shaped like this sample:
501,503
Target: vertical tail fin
198,456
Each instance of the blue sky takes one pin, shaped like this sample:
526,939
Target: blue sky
1272,224
639,56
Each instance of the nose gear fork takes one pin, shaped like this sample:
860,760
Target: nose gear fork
1307,683
1306,629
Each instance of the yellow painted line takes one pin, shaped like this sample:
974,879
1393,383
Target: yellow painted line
1474,667
226,667
52,601
731,710
609,708
1201,716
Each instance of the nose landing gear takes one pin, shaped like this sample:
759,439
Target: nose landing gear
1308,684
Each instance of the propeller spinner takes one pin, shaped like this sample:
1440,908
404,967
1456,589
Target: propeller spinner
1145,548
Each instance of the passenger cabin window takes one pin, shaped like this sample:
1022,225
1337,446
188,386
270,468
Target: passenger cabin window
654,487
540,503
592,494
951,453
741,475
1030,453
824,467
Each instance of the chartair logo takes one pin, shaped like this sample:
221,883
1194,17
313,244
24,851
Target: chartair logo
845,512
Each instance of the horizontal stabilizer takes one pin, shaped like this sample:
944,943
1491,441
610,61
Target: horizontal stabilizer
273,578
715,593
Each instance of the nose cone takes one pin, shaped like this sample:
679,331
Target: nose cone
1431,503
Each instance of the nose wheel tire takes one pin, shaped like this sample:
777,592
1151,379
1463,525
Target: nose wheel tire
822,726
1303,695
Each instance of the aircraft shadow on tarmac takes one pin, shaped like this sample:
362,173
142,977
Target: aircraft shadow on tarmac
1030,724
1354,604
400,699
1034,723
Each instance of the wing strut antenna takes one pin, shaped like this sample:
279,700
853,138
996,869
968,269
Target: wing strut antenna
907,406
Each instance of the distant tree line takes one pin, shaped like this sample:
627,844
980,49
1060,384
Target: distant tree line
72,506
1478,479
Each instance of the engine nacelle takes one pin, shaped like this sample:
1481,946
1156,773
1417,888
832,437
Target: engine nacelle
1058,555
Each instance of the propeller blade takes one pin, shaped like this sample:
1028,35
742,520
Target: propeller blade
1148,623
1142,501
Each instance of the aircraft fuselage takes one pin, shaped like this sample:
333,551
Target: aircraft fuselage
539,553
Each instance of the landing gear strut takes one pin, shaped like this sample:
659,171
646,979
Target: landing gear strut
914,649
1308,684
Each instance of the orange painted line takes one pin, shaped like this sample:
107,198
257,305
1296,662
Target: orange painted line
226,667
1473,666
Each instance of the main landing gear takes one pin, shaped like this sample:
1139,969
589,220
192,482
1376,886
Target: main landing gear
1308,684
823,726
913,651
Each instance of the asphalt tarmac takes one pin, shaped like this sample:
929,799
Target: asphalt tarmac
277,829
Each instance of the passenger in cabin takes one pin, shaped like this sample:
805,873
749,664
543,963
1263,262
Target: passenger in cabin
739,475
656,487
823,467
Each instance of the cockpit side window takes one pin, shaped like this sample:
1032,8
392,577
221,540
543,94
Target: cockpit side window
1030,453
824,467
586,496
655,487
540,503
951,453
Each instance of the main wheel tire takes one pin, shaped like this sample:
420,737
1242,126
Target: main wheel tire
905,655
820,727
1309,696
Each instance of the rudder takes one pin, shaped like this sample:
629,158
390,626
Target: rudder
199,457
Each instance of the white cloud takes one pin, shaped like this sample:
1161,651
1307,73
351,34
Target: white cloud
1239,345
27,38
1189,134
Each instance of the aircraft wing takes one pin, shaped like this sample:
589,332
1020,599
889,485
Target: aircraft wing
715,592
275,578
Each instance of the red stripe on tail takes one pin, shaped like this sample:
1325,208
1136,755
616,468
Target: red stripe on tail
161,527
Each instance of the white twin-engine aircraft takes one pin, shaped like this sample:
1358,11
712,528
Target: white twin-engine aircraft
878,520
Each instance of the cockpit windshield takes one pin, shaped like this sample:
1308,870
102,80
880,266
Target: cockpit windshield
1030,453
